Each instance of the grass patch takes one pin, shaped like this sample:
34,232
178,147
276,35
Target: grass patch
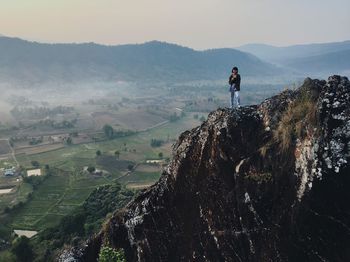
111,163
299,118
7,256
257,177
141,177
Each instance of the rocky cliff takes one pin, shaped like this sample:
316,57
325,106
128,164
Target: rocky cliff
261,183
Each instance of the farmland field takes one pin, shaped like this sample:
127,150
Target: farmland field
62,192
4,147
127,119
43,143
147,168
142,178
38,149
57,196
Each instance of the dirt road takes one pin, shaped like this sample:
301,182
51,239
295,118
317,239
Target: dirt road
12,150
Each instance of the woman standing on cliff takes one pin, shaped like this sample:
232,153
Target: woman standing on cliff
235,87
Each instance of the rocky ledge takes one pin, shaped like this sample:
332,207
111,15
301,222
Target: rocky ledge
261,183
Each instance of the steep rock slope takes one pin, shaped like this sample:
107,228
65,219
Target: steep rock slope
262,183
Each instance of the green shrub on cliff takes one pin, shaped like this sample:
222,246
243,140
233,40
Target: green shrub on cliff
294,123
108,254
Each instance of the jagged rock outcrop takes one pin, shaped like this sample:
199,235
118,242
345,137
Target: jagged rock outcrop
261,183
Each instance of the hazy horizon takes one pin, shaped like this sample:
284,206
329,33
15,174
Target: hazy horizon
163,41
198,24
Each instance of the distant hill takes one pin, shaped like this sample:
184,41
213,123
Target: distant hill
326,58
333,62
153,61
281,54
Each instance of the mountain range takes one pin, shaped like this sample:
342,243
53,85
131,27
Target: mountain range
326,58
151,61
30,63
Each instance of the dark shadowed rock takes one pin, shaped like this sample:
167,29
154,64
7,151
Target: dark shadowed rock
240,189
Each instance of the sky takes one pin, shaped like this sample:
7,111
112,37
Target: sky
200,24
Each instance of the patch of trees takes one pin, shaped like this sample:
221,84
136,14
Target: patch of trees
156,142
120,133
125,100
69,141
113,107
108,254
35,140
16,206
117,154
102,201
22,249
174,117
20,112
74,134
99,101
35,163
91,169
15,139
65,124
35,181
203,105
110,133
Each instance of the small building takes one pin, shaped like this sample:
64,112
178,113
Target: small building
34,172
9,172
26,233
55,139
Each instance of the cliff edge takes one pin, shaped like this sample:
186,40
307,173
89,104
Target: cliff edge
261,183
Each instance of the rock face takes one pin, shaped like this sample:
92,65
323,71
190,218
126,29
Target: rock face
261,183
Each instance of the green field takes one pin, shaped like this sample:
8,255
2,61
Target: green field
135,148
57,196
140,178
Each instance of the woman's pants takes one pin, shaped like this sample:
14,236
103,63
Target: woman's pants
235,100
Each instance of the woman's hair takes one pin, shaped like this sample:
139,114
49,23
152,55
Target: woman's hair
234,68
